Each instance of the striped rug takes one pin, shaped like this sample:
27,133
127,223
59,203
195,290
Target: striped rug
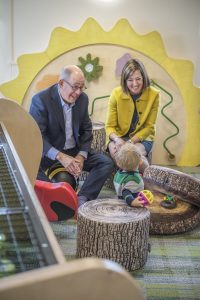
172,270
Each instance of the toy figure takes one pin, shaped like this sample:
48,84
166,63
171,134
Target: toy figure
169,201
128,183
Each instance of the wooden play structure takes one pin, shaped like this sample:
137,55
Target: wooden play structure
40,269
21,144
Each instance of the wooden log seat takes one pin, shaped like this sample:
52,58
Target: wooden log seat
109,181
99,136
166,180
186,215
108,228
98,142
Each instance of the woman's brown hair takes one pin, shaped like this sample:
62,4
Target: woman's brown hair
130,67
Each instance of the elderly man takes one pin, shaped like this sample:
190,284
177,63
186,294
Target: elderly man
61,112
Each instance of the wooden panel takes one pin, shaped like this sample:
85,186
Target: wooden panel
85,279
25,135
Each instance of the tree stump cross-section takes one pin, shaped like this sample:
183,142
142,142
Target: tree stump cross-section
108,228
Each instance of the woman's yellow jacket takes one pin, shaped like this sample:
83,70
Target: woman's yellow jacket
121,109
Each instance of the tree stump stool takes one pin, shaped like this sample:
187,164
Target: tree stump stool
98,142
109,181
169,181
99,136
108,228
186,216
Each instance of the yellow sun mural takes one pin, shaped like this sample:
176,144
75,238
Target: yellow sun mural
122,34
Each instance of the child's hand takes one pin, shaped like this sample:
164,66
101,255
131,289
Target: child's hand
137,202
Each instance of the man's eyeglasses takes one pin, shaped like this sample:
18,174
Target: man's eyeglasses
75,88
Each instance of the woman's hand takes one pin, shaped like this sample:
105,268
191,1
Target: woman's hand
118,143
115,144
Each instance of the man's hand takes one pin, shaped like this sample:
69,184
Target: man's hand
80,159
71,164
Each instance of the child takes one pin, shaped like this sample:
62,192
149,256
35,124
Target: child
127,181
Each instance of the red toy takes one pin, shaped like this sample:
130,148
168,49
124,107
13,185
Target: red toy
59,200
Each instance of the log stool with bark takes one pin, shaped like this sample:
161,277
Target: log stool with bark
108,228
99,136
98,142
186,216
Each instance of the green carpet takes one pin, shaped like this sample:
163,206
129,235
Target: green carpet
172,270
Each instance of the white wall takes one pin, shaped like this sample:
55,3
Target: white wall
27,27
5,40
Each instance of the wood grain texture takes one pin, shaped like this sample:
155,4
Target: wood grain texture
24,134
186,215
99,136
166,180
183,218
108,228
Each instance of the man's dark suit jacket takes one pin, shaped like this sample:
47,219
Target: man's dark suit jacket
47,110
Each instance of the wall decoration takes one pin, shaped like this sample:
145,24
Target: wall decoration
90,67
121,62
171,155
150,47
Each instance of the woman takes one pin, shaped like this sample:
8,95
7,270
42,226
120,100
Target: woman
132,112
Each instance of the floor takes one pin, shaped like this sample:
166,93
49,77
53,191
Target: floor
172,270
